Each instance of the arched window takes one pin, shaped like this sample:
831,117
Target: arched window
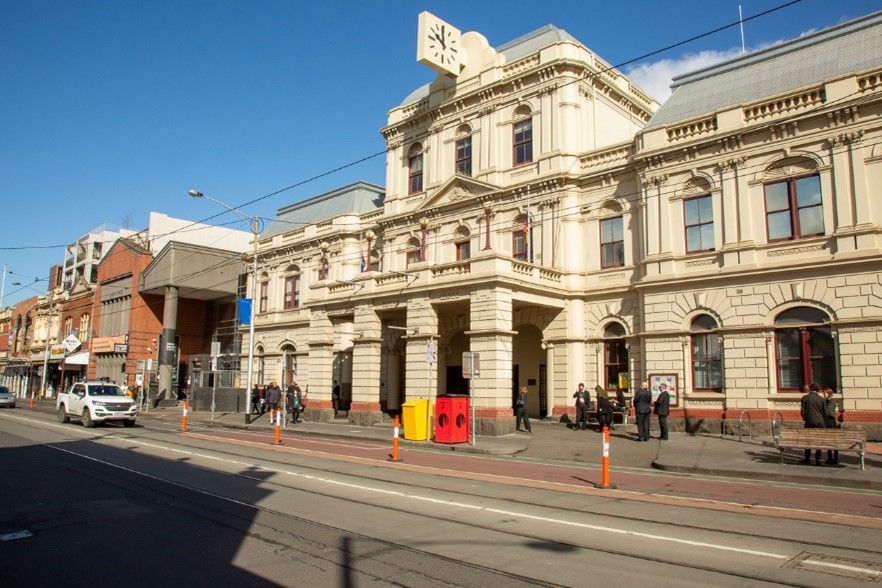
291,295
522,137
68,326
707,365
461,241
414,251
794,207
464,151
520,239
261,366
263,300
615,355
289,365
415,169
84,328
805,350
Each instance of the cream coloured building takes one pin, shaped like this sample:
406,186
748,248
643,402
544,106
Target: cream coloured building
544,213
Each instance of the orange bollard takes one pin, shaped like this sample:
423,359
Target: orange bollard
278,417
394,456
604,484
32,400
184,419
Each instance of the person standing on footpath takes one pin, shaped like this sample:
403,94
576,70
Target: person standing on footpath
521,411
273,397
642,402
811,409
583,399
830,422
604,407
663,409
335,397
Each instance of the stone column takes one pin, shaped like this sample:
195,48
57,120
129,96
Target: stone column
321,366
168,352
366,362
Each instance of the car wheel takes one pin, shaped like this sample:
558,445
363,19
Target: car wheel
87,419
129,423
62,415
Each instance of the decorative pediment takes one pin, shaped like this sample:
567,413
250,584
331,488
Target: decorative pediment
80,286
457,188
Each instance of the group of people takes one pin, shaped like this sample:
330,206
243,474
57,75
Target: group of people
605,407
295,400
818,411
643,407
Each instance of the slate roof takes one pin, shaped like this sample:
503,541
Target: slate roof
356,198
833,52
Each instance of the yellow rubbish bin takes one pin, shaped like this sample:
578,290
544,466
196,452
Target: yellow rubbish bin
414,417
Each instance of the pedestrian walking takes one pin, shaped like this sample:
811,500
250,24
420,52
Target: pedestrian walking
642,403
521,411
273,397
811,409
335,397
604,407
830,422
255,401
293,403
583,399
662,410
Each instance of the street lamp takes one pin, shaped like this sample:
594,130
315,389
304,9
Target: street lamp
255,229
48,330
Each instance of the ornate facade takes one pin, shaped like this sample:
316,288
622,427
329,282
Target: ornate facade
543,212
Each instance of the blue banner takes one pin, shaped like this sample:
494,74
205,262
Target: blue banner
244,311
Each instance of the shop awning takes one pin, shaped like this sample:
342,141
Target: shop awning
81,358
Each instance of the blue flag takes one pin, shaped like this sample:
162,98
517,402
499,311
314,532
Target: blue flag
244,311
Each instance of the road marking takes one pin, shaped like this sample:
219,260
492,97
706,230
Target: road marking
16,535
459,505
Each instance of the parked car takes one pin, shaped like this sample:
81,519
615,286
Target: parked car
96,402
7,398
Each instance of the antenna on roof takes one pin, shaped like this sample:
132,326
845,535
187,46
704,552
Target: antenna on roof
741,24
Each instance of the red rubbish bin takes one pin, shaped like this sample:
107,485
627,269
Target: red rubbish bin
452,419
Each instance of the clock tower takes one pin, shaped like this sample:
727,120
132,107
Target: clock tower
439,45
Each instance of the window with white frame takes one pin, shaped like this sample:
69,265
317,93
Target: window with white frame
612,242
415,169
522,142
698,216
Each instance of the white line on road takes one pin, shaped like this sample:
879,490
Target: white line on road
460,505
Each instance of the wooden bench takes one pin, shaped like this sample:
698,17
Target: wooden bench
832,439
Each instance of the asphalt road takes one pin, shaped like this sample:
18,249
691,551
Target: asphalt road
148,505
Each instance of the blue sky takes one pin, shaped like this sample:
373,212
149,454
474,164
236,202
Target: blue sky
112,108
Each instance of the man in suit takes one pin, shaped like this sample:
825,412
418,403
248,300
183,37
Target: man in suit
642,402
521,415
812,411
663,409
583,399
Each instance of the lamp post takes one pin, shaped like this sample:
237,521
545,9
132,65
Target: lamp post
255,230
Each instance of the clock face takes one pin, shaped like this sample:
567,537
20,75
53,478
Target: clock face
442,42
439,45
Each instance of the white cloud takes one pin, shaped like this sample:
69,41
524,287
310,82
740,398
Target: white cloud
654,78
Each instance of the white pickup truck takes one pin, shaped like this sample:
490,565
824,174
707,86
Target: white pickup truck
96,402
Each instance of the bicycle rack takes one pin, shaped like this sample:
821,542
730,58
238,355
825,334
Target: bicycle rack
749,425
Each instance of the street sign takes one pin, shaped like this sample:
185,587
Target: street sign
430,352
471,365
